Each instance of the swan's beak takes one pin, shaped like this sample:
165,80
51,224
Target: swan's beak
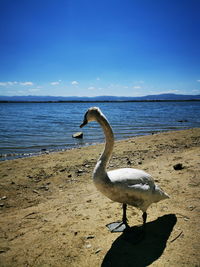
84,123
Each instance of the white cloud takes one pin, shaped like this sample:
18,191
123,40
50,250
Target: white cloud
33,90
138,82
12,83
8,83
91,88
55,83
74,83
114,85
26,83
137,87
165,92
16,83
198,81
3,84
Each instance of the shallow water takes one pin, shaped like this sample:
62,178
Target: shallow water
27,128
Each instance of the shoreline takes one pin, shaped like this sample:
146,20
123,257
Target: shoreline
51,213
13,155
101,101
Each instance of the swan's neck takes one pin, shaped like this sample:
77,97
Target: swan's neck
100,168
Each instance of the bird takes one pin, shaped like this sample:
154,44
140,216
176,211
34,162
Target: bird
127,186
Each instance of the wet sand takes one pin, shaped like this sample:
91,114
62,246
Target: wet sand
52,215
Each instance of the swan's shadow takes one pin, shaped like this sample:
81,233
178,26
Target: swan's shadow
125,252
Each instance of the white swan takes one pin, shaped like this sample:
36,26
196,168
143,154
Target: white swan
127,186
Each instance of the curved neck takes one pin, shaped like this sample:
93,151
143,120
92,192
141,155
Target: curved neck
109,136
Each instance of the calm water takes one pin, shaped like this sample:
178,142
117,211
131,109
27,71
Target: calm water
27,128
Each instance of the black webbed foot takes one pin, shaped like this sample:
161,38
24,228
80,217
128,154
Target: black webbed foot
117,227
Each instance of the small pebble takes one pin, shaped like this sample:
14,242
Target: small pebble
178,166
44,187
191,208
62,170
78,135
98,250
87,166
128,162
4,250
90,236
35,191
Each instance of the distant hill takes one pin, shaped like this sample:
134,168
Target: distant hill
161,97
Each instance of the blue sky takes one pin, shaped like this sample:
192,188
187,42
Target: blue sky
104,47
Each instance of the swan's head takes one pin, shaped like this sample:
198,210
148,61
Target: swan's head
91,115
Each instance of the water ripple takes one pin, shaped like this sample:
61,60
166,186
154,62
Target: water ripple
27,128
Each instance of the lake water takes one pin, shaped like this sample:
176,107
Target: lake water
29,128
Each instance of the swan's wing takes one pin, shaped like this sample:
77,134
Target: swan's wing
130,177
134,183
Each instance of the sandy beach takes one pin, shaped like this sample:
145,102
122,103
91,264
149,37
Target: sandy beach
52,215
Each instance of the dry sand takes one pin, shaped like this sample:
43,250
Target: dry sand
52,215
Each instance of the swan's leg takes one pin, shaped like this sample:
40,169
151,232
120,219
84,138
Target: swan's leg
144,216
124,218
119,226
